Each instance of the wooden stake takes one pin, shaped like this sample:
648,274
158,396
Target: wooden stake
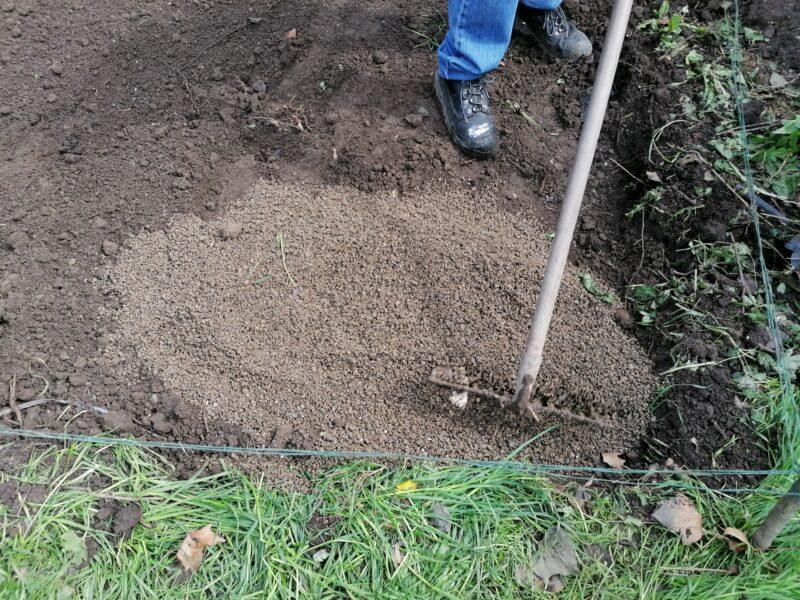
778,517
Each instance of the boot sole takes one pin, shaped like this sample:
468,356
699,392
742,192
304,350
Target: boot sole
471,152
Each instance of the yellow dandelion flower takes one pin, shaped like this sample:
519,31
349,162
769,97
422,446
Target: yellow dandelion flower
407,486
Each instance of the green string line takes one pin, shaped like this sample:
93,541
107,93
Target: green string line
376,455
787,390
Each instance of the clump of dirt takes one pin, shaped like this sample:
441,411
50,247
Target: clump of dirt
325,308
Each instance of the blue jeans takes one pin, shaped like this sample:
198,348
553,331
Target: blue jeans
478,35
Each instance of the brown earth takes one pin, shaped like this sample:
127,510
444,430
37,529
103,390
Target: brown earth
333,331
119,116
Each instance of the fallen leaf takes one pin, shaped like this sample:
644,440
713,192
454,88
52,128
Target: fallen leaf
407,486
581,497
777,81
320,556
441,517
73,548
736,538
556,559
555,585
459,399
599,553
613,459
291,34
397,555
65,593
679,515
190,552
653,176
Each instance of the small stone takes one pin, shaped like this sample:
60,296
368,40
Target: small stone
84,42
57,68
423,112
17,239
380,57
228,116
143,162
34,118
80,363
176,37
109,248
259,86
160,132
623,317
5,110
118,421
217,74
16,31
7,6
332,118
413,119
51,97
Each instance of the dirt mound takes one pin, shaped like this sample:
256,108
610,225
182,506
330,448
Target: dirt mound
324,309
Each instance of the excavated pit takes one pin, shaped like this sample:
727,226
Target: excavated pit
324,309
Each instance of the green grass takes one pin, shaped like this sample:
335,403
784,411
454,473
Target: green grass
497,518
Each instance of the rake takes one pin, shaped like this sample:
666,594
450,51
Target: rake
530,361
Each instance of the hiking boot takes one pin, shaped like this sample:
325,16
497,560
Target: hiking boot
552,32
466,112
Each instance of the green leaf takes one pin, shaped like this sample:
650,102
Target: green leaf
694,57
591,287
73,548
752,36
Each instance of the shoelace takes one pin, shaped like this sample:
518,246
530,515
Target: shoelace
555,22
476,96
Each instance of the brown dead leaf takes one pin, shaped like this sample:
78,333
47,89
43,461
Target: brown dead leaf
613,459
397,554
736,538
291,34
679,515
580,499
190,554
556,559
653,176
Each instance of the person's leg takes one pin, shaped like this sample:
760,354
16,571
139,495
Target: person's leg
542,4
478,35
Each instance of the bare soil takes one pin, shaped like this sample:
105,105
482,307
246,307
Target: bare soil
128,122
